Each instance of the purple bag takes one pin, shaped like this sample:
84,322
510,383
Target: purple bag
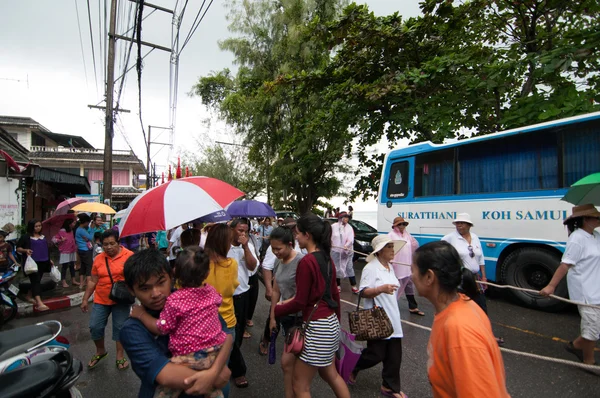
273,348
348,355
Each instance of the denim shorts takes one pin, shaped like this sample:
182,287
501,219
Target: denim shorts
99,319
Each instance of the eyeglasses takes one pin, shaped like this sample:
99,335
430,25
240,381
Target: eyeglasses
402,223
471,252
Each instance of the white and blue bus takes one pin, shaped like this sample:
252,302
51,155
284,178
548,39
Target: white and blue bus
510,182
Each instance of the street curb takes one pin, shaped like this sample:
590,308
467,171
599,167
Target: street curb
54,303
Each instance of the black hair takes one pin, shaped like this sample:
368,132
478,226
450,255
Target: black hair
67,224
110,232
83,218
143,265
443,259
31,226
98,235
218,240
573,224
190,237
319,229
191,267
240,220
283,235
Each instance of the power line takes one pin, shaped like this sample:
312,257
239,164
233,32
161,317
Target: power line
92,41
82,52
192,31
126,63
139,61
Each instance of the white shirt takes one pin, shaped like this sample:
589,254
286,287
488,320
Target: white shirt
583,278
269,260
176,240
237,253
374,274
462,247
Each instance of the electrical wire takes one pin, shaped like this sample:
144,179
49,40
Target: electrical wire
87,85
126,63
92,42
139,62
192,31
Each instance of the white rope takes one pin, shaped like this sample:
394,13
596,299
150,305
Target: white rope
508,350
504,286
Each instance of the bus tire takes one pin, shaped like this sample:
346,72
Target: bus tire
533,268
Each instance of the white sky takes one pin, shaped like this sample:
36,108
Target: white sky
41,48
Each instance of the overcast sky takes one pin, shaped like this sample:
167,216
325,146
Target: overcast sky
42,72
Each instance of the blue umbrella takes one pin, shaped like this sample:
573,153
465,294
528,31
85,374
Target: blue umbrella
250,208
217,216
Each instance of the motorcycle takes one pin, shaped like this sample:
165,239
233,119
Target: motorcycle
8,295
31,344
54,377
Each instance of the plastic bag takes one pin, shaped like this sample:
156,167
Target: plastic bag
348,355
30,266
55,274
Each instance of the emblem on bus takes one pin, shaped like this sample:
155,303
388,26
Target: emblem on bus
398,178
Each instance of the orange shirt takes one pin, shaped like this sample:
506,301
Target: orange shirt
464,358
116,269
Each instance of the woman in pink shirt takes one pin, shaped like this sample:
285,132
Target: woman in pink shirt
190,317
402,262
65,240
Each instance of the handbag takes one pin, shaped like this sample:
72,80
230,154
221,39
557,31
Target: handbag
55,274
119,292
369,324
294,341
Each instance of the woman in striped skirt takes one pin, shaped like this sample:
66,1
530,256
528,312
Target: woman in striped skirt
316,288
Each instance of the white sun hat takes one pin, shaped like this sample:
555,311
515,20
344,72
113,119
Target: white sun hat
379,243
463,217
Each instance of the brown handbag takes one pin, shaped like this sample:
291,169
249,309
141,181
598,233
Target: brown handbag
371,324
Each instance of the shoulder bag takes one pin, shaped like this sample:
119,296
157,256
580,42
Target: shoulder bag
118,292
370,324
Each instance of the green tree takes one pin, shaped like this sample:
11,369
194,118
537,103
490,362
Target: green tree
295,138
478,66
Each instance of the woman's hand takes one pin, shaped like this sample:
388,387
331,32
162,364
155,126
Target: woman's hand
387,288
137,311
29,252
84,306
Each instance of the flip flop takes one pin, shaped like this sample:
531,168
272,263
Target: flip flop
263,349
42,308
390,393
97,358
241,382
122,364
352,379
500,341
416,311
571,348
247,335
250,323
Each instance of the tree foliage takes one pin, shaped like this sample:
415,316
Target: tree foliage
296,138
479,66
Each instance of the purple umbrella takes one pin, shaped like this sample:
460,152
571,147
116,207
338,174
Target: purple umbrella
217,216
250,208
67,204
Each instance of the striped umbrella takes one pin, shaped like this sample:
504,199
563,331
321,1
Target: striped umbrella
176,202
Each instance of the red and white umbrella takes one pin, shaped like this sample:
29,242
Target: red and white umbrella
176,202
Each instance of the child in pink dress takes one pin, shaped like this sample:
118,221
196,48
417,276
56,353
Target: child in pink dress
190,317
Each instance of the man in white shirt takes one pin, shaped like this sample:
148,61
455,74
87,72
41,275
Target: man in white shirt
175,241
243,251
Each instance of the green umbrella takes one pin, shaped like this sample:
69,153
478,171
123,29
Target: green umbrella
585,191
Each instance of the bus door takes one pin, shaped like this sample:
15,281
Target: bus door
397,192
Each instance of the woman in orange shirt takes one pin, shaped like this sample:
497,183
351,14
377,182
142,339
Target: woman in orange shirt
464,358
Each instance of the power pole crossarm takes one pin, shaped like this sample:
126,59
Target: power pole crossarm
145,43
104,108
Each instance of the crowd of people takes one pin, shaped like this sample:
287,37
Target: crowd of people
197,286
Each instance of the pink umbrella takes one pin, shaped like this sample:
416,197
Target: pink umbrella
51,226
176,202
66,205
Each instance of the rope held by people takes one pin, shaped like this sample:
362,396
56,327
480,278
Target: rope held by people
499,286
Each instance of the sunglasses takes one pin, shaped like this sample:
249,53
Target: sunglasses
402,223
471,252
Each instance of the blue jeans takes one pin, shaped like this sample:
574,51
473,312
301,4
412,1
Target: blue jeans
99,319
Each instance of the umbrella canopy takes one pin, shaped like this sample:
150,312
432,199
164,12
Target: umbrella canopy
585,191
176,202
250,208
94,207
217,216
52,225
68,204
120,214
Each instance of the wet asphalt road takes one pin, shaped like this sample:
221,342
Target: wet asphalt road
523,329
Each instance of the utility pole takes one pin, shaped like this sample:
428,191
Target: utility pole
110,82
148,164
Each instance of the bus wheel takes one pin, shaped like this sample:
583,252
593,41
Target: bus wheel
533,268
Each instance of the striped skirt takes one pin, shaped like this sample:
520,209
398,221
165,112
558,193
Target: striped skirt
321,341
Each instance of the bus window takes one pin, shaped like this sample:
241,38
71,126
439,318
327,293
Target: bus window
517,163
580,152
434,173
397,184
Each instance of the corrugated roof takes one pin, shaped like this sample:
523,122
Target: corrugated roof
17,151
21,121
75,154
65,140
60,177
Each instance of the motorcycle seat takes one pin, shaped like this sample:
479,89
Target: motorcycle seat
30,381
17,341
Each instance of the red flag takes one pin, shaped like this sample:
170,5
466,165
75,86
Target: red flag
170,176
187,171
178,171
10,162
163,178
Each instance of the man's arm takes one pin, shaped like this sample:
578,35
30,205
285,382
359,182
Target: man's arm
92,281
249,256
268,278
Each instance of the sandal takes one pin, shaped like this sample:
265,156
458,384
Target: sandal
500,341
416,311
352,379
96,358
247,335
240,382
42,308
571,348
250,323
122,364
386,392
263,348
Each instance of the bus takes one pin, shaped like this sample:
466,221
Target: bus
511,184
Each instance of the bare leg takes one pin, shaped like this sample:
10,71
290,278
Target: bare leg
287,365
100,349
587,346
335,381
303,376
120,352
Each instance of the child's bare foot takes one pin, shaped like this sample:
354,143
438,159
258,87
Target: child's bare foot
64,284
